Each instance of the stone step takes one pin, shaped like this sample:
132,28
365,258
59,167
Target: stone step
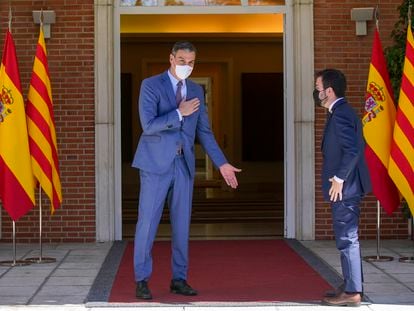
220,211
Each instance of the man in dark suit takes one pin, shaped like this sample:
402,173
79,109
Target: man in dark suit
345,180
172,113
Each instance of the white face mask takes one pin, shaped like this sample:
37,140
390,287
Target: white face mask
183,71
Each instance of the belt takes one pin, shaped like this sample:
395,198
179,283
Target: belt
180,150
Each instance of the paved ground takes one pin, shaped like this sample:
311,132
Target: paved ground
65,284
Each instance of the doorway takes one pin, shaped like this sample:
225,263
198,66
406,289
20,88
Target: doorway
226,62
296,24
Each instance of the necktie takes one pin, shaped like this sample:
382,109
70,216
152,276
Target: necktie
178,96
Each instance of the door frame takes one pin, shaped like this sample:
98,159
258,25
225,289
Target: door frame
299,143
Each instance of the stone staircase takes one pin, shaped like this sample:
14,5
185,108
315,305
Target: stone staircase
230,214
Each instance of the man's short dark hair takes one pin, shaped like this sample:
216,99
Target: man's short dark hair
335,79
183,45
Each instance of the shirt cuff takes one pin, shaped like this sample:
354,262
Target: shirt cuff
337,179
179,115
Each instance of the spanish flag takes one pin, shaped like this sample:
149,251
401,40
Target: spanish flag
401,165
378,123
16,177
41,126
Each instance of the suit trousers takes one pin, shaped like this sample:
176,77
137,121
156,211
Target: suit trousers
176,185
345,217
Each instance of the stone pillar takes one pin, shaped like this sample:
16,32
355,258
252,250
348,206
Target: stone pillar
104,121
304,118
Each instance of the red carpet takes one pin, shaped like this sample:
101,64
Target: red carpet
227,271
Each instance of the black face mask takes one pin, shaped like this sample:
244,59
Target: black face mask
316,99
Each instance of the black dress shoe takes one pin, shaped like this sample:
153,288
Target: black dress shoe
181,287
142,291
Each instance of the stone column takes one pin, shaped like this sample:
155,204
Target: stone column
304,119
104,121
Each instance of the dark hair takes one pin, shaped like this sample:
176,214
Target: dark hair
333,78
183,45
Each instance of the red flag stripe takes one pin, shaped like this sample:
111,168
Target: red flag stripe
407,87
41,56
56,200
40,158
15,204
12,72
41,88
385,191
403,164
16,179
409,52
45,166
377,60
406,127
44,128
378,132
38,119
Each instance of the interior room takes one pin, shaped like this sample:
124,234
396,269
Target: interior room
240,66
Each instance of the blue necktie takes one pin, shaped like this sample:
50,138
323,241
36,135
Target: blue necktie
178,96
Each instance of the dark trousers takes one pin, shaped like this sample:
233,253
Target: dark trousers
345,217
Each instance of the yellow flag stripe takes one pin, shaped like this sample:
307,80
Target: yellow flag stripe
40,70
403,185
37,100
405,146
42,131
10,143
378,131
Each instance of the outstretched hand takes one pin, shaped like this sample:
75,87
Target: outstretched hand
228,172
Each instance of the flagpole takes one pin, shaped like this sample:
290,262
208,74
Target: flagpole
41,259
378,257
14,262
409,259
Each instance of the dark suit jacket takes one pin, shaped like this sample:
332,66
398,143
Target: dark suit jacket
163,132
343,152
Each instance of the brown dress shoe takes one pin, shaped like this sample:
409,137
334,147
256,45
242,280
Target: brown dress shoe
343,299
335,292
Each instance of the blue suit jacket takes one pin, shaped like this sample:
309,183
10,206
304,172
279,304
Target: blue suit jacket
343,152
163,132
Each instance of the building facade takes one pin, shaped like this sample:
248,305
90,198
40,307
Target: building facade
90,46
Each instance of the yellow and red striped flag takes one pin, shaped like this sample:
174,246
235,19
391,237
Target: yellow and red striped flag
16,178
401,165
41,125
378,123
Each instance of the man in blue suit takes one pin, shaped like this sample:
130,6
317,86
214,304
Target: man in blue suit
172,114
345,180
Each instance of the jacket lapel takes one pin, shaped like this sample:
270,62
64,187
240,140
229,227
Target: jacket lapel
190,89
168,89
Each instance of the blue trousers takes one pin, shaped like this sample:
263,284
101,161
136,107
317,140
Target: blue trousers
345,217
176,185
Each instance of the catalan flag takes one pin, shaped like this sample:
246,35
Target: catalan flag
378,123
401,165
16,178
41,125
